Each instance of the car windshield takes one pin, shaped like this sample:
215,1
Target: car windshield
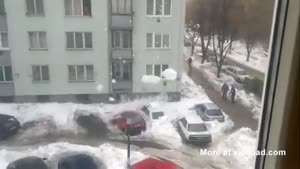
157,115
197,127
132,118
241,72
214,112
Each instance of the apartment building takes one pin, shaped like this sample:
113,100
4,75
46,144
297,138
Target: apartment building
63,50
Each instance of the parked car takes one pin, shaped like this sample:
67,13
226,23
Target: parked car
209,112
91,122
153,112
130,122
9,126
237,73
79,161
155,163
31,162
192,129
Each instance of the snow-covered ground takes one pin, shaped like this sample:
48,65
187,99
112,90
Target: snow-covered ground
60,118
259,59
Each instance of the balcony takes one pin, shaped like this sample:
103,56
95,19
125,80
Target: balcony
122,54
121,14
119,21
122,86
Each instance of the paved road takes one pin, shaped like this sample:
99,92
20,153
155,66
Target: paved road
241,115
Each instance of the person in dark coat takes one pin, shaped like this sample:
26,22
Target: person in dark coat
233,93
224,90
190,60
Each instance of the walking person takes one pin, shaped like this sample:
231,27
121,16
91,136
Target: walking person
224,90
233,93
190,60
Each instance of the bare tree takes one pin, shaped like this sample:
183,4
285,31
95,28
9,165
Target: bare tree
193,36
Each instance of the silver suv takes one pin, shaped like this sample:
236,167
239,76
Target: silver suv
209,112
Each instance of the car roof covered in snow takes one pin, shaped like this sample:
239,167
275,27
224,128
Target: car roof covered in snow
211,106
235,68
193,118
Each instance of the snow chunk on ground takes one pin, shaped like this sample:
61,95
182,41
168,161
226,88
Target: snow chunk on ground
112,157
151,79
169,74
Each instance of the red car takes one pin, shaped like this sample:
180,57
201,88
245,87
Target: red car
130,122
153,163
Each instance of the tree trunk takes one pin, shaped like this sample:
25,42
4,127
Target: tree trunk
204,55
248,56
193,48
219,68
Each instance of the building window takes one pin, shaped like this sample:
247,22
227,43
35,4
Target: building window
121,70
156,69
79,40
38,40
35,8
2,9
122,39
78,8
158,7
3,40
40,73
6,74
157,40
121,6
81,72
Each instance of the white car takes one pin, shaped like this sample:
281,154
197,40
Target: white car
238,74
153,113
192,129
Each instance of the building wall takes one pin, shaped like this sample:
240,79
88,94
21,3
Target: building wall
6,88
55,23
173,25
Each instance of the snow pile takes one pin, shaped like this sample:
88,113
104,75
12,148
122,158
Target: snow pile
169,74
99,88
244,142
112,157
151,79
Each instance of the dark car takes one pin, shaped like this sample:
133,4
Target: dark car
130,122
28,163
79,161
209,112
92,123
9,126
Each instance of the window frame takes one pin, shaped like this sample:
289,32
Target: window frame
2,47
35,14
4,74
121,39
83,40
40,73
122,71
84,72
73,9
161,41
163,9
38,40
153,69
118,13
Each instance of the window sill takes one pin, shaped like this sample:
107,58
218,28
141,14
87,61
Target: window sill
79,49
6,82
38,49
78,16
122,14
158,48
33,15
4,49
81,81
158,16
41,82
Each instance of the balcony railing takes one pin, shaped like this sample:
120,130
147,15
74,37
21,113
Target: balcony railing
121,21
122,86
122,53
